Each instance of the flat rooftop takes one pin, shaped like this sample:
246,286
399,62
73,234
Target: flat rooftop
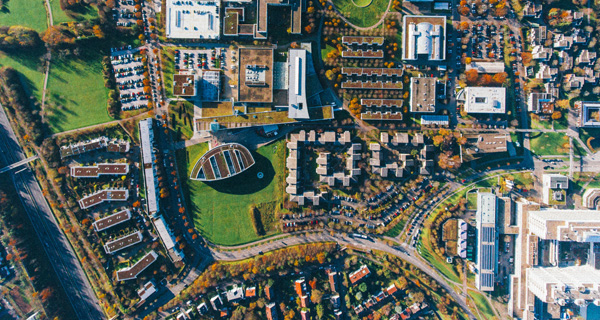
488,142
193,19
423,94
298,107
184,85
255,75
123,242
485,100
112,220
590,114
141,265
424,37
102,196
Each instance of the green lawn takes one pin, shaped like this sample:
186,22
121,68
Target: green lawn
27,13
29,66
362,16
221,209
182,128
436,261
87,12
591,137
482,305
76,92
326,50
549,144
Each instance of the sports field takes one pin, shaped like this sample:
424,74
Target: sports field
29,66
27,13
76,93
361,12
221,210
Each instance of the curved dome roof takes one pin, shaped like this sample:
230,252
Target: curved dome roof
222,162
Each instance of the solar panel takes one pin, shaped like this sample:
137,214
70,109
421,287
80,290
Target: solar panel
486,280
487,257
488,234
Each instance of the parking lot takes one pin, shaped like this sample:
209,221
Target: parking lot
201,59
129,74
124,13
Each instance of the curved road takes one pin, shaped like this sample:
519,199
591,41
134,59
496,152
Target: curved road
375,244
387,10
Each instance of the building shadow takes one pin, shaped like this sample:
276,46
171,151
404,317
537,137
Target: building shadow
248,181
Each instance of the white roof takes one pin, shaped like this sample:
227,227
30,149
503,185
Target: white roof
485,100
163,232
193,19
298,108
486,67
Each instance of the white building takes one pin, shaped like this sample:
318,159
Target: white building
150,178
487,240
485,100
146,291
168,239
193,19
424,36
298,108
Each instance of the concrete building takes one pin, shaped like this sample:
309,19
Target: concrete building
591,198
543,284
423,94
487,240
424,37
150,179
193,19
491,100
168,239
590,114
554,188
298,107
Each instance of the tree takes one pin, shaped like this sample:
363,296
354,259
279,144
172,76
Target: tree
316,296
485,79
499,78
472,76
320,311
556,115
362,287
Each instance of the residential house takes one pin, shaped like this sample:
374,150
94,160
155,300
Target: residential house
546,73
586,57
541,53
359,274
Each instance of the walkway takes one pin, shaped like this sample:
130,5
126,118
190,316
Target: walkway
362,244
18,164
357,27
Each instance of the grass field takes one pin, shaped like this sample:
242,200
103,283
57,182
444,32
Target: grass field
482,305
362,16
549,144
221,210
591,137
29,66
59,16
182,126
27,13
77,96
446,269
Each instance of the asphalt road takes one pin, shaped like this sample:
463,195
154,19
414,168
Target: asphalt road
373,244
61,255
